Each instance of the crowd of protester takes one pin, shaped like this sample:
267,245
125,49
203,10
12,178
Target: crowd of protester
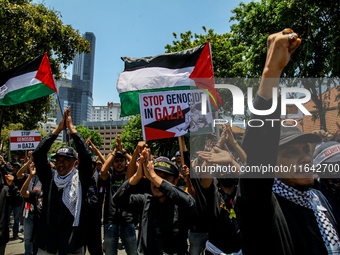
176,210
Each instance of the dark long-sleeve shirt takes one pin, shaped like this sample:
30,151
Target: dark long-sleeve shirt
269,223
55,231
164,226
7,194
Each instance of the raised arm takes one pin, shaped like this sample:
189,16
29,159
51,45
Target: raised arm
232,141
14,193
104,174
20,173
186,177
279,50
84,153
121,149
178,196
261,146
24,187
218,156
132,167
125,196
95,149
44,169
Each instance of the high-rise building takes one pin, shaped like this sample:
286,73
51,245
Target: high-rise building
68,96
82,81
107,113
50,125
108,130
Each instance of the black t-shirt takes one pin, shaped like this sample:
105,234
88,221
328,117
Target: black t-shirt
223,228
199,221
36,199
181,184
19,183
113,214
164,226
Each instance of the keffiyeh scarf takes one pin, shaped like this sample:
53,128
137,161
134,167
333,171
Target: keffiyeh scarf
34,184
310,200
216,251
72,194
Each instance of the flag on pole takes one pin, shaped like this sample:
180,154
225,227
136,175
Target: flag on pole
165,72
26,82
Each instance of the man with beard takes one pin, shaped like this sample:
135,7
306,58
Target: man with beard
282,215
61,227
165,214
117,222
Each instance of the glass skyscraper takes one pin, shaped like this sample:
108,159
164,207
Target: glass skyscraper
82,83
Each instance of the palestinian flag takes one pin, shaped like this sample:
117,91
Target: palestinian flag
181,70
26,82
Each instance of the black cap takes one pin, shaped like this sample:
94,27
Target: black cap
166,166
119,154
291,133
66,152
327,153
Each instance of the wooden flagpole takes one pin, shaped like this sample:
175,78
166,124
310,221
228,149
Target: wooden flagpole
181,146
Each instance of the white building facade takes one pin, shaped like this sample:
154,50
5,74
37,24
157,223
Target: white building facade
107,113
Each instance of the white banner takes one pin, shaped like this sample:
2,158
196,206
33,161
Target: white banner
24,140
175,113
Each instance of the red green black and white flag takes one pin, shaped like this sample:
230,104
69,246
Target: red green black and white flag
183,70
26,82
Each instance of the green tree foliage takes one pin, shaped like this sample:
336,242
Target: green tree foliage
28,30
5,137
29,114
227,57
55,146
227,62
85,133
132,134
317,24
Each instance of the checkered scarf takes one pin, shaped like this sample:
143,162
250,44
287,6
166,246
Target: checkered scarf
310,200
34,184
71,185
